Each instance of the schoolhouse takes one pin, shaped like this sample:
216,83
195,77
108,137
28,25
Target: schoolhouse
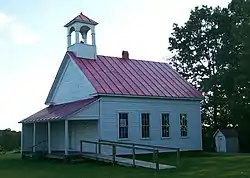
113,98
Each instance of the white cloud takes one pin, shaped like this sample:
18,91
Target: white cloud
21,35
4,19
18,32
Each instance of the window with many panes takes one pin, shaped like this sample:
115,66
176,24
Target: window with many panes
123,125
145,125
183,125
165,125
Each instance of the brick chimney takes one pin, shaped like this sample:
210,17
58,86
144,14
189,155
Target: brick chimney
125,55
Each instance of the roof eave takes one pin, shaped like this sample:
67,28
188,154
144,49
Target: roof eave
150,97
76,20
25,121
56,80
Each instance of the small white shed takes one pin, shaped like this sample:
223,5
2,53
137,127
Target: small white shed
226,140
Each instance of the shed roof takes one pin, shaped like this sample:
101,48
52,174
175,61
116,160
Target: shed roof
119,76
57,112
229,132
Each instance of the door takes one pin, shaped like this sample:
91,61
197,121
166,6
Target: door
86,130
220,144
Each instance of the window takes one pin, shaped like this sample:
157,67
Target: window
183,124
165,125
145,125
123,125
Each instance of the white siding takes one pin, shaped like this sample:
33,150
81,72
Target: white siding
232,145
27,137
83,130
83,50
110,106
220,142
89,112
78,130
57,136
73,85
41,136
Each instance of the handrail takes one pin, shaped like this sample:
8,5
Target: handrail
117,144
138,144
156,147
43,141
133,146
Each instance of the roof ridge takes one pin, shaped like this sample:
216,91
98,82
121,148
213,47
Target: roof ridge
133,59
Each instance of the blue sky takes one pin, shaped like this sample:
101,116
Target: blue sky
33,41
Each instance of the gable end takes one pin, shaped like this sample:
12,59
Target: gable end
57,78
70,84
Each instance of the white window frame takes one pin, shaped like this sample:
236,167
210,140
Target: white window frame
166,125
183,125
118,118
142,126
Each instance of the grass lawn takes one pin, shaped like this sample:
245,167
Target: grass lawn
192,165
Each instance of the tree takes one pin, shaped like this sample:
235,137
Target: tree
9,140
239,59
212,51
195,47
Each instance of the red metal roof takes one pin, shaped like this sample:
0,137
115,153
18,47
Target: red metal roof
57,112
82,18
118,76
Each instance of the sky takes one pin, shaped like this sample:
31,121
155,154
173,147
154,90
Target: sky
33,41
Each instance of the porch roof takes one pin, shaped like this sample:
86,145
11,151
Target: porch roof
58,112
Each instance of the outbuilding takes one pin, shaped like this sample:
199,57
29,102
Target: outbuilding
226,140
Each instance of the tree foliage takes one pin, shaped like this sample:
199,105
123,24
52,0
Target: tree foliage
212,51
9,140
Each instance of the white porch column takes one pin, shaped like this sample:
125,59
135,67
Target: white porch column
66,137
49,138
34,138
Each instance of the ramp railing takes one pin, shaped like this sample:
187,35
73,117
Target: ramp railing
129,145
156,148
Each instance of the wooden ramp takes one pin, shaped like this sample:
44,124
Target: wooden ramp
125,161
114,159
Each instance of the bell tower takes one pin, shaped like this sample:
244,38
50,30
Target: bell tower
81,25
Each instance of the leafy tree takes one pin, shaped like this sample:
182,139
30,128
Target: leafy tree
196,46
9,140
238,45
212,51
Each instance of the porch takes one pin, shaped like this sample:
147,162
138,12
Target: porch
58,128
58,138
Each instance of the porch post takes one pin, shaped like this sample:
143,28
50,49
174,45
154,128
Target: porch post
49,138
66,137
34,138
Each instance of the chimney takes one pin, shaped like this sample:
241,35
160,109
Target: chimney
125,55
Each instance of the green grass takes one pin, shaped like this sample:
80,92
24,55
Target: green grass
192,165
